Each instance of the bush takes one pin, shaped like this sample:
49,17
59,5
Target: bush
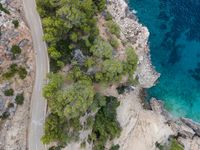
15,23
131,62
108,16
114,42
16,50
5,115
19,99
113,28
175,145
111,70
22,72
160,146
172,145
115,147
9,92
11,71
4,9
101,4
10,105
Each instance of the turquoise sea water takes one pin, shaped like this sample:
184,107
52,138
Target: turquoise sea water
174,27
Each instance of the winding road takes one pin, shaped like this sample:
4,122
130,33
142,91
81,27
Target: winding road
38,103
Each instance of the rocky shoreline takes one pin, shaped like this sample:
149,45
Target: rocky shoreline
138,36
185,130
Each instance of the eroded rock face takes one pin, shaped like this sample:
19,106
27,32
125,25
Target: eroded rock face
188,131
13,130
193,125
138,36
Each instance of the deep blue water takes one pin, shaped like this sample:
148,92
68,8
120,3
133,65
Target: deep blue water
174,27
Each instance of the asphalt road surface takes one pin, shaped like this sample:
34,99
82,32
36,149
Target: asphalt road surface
38,103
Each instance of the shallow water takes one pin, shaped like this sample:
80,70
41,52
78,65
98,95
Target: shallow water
174,27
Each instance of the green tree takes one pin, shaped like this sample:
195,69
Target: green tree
54,53
74,101
54,29
53,130
101,4
113,28
112,70
105,126
131,61
70,13
101,49
54,84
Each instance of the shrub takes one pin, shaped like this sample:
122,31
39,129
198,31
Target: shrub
11,71
114,42
4,9
131,62
5,115
15,23
9,92
101,4
19,99
22,72
108,16
10,105
101,49
113,28
115,147
16,50
160,146
55,148
175,145
112,70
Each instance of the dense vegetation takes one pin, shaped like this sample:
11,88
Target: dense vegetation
73,39
105,126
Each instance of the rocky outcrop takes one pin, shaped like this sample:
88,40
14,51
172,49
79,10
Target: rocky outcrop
137,35
130,113
187,131
14,123
193,125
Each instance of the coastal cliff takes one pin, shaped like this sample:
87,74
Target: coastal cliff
142,129
138,36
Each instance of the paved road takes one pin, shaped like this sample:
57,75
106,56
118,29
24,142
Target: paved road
38,104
